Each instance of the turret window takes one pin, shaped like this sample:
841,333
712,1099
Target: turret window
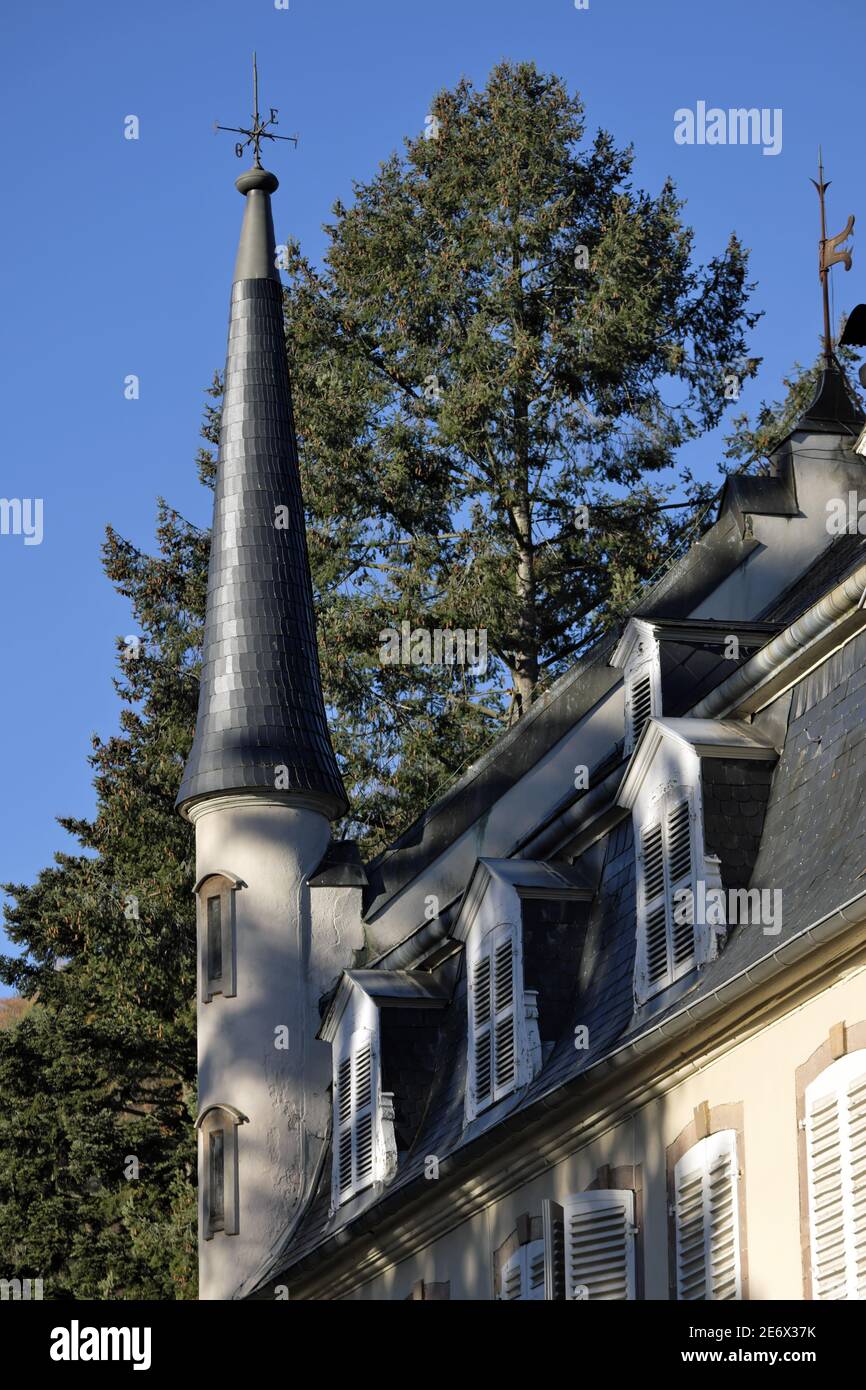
216,930
216,1178
214,940
219,1170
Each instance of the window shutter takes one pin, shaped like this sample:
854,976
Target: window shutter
667,948
512,1276
523,1273
655,945
641,705
706,1205
354,1116
481,1025
679,867
493,994
553,1225
600,1245
362,1100
343,1113
836,1162
504,1015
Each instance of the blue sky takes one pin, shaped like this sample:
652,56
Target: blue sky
117,254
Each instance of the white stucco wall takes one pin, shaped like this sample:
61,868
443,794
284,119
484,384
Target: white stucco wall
282,965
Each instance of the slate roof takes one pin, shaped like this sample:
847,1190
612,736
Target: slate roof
818,786
260,701
831,407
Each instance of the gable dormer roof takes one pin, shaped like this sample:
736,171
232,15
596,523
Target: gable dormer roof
708,738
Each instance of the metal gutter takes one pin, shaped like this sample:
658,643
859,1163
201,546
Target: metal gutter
837,617
824,930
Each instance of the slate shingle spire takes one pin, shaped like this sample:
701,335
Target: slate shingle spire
260,704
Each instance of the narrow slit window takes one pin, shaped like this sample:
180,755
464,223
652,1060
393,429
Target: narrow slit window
216,912
217,1179
214,939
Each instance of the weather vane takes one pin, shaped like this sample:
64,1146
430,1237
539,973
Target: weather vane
831,252
260,130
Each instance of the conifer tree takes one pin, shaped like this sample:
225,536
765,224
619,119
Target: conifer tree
493,371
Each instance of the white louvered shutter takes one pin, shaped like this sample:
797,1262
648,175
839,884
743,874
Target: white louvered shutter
553,1223
504,1011
354,1116
523,1273
666,871
678,861
654,910
493,994
707,1220
836,1164
481,1024
599,1234
641,704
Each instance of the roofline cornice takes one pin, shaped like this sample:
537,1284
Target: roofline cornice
831,622
530,1141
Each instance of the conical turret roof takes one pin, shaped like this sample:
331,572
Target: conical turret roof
261,718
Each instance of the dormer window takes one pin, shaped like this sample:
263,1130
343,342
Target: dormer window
215,897
673,788
637,656
523,925
362,1026
639,702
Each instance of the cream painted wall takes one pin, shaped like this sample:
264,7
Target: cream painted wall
758,1072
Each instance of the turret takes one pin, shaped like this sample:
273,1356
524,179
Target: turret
261,786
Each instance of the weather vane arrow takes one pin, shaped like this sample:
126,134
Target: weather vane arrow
260,130
830,252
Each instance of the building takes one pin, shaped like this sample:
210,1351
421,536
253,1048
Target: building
595,1025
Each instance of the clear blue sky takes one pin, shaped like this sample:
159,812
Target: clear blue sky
117,254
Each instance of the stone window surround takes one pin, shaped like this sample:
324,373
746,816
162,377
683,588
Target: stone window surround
705,1121
224,885
423,1292
623,1177
227,1118
842,1039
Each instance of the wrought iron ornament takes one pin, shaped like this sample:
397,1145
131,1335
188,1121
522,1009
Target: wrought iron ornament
260,129
830,252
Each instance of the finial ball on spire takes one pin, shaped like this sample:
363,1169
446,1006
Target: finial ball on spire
257,178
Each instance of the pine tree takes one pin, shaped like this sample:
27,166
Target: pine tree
483,369
97,1152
